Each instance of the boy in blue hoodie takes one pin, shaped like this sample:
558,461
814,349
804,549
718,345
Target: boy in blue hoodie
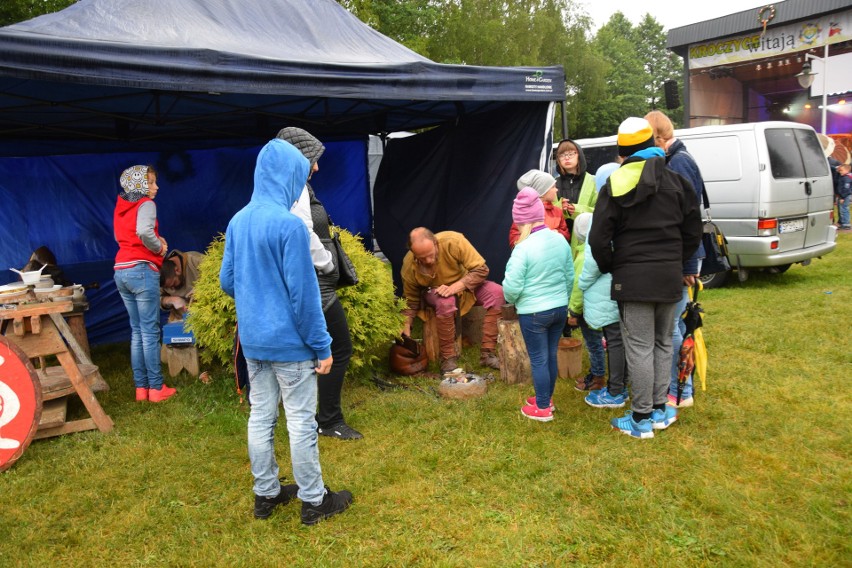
267,269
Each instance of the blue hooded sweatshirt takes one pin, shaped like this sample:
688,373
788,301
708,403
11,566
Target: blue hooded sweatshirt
267,265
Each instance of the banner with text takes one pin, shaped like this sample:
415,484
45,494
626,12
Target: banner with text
782,40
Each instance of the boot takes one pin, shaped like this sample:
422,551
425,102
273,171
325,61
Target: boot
447,342
489,359
488,356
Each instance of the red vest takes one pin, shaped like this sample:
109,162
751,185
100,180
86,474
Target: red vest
130,246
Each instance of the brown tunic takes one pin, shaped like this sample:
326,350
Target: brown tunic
457,260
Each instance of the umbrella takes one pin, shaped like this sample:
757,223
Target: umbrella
692,320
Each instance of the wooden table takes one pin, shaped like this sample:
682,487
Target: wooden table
40,330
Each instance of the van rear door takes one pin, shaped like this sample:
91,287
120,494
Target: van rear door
800,193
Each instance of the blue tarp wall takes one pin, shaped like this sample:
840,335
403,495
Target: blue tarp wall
66,203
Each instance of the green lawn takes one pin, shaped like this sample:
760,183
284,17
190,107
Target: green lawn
756,474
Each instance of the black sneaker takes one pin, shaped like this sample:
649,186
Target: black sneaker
263,506
332,503
342,431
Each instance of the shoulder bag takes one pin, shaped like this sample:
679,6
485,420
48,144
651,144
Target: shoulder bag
345,268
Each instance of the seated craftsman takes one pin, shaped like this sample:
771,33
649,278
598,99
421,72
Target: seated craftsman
177,280
443,271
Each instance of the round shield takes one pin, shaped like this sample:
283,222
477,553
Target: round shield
20,403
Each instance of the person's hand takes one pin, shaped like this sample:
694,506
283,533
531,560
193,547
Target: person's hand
324,366
165,248
176,303
406,329
445,291
572,321
689,280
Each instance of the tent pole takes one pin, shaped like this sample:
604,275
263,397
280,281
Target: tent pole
564,120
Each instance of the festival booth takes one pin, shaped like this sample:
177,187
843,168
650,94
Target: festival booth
196,87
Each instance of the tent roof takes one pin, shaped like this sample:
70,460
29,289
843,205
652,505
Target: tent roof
159,72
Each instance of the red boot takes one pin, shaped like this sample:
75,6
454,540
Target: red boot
160,395
141,395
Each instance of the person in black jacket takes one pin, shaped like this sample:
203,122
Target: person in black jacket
330,421
646,224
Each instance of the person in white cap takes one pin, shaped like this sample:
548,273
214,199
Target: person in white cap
646,224
544,185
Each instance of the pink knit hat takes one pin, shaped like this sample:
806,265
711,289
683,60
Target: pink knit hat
527,208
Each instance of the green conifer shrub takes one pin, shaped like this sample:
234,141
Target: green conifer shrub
372,309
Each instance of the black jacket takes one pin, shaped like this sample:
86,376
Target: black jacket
646,224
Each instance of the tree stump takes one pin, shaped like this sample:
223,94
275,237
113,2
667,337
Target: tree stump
514,360
179,357
471,324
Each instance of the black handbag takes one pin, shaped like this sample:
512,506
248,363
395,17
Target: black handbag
715,244
345,269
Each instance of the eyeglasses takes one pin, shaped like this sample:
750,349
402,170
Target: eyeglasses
568,154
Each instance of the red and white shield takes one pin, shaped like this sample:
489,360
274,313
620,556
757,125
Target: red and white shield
20,403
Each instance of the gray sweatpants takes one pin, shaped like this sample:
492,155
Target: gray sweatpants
646,330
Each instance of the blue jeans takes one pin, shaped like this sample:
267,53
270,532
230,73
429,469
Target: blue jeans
541,331
139,287
677,341
843,210
593,339
295,384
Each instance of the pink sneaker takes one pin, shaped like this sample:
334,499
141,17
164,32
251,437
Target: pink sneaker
531,402
533,412
141,395
160,395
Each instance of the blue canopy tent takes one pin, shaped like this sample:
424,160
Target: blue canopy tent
196,87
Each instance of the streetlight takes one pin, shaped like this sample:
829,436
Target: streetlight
806,78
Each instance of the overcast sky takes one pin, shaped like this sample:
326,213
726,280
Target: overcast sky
670,13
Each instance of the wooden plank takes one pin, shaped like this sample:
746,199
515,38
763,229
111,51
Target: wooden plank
68,336
91,403
35,324
67,428
48,342
53,413
55,382
44,308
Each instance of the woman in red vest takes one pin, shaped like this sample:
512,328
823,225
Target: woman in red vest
141,250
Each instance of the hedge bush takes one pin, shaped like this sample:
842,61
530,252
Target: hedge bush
372,309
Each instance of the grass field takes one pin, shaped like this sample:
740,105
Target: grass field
756,474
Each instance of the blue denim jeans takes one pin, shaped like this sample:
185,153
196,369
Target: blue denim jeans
139,287
593,338
541,331
294,384
843,211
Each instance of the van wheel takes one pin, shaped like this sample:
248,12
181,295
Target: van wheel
781,269
715,280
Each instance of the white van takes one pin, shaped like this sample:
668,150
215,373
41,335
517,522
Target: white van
770,191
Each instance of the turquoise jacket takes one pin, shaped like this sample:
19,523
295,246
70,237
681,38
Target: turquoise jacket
539,275
599,309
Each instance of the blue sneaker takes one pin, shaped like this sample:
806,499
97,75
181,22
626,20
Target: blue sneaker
602,399
627,425
662,419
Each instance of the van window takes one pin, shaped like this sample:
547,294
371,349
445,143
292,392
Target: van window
815,163
784,156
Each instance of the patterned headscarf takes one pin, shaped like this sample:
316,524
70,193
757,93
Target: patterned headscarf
134,183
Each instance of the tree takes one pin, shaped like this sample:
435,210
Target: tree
660,65
14,11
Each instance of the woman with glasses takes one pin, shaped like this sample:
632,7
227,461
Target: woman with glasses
578,193
575,187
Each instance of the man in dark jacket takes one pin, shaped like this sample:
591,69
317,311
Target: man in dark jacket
646,225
